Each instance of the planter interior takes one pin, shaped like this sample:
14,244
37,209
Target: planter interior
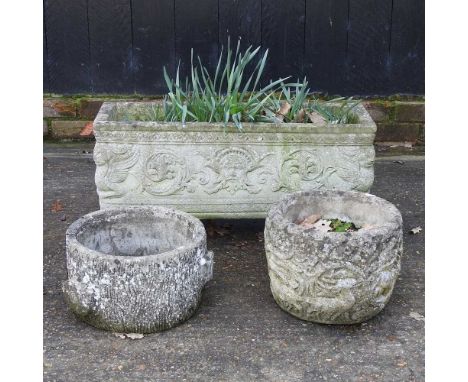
134,234
361,209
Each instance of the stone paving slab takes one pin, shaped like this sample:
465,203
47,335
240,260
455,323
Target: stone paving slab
238,333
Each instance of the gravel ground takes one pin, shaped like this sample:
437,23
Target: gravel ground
238,333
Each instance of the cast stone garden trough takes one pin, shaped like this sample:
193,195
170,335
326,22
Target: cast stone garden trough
215,171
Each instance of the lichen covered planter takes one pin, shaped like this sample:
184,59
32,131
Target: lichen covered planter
136,269
214,171
333,277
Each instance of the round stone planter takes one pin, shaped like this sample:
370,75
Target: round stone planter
136,269
333,277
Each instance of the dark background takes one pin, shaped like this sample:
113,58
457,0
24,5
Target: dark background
346,47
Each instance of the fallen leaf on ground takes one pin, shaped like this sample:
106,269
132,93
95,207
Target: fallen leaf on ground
415,230
316,118
57,206
416,316
401,364
133,336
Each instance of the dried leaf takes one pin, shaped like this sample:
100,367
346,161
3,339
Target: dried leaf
316,119
415,230
57,206
309,221
134,336
300,116
416,316
284,109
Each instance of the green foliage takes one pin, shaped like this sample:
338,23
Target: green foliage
336,111
289,105
226,97
229,96
338,225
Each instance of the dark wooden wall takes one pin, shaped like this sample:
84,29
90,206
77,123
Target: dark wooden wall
346,47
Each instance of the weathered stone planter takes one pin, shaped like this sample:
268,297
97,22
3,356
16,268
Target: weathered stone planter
216,172
136,269
333,277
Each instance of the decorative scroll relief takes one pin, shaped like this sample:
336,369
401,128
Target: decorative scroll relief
344,168
300,166
355,167
113,165
128,170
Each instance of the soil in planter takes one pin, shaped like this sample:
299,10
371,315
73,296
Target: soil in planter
327,225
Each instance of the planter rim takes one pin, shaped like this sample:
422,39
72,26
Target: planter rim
276,216
104,121
75,228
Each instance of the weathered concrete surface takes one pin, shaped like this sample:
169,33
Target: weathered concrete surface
136,269
333,277
238,333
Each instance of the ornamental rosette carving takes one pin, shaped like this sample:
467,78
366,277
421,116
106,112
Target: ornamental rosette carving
166,173
298,168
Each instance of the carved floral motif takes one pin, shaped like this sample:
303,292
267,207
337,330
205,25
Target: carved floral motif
166,174
298,167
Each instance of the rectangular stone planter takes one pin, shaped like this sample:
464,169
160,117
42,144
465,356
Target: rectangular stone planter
214,171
